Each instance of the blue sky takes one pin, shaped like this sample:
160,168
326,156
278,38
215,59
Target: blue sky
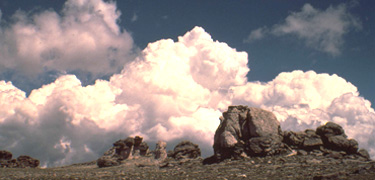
85,73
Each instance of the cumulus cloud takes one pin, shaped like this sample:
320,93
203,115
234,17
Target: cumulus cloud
84,36
322,30
167,93
302,100
171,91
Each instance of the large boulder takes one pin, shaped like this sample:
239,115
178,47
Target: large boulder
240,124
330,129
334,138
186,150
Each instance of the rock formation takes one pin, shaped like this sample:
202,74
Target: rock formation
248,132
137,151
186,150
123,149
161,151
23,161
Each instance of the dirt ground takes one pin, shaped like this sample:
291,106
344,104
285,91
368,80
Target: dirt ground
276,167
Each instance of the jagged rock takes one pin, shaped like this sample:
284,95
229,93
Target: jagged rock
5,155
240,124
123,149
140,148
186,150
160,151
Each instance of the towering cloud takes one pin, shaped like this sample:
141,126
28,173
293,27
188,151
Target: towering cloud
304,100
83,37
171,91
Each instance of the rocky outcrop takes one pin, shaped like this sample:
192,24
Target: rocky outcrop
129,148
249,132
245,131
23,161
186,150
161,151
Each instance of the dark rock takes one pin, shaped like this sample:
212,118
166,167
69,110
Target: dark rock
186,150
339,143
143,148
107,162
294,139
336,155
138,140
330,129
331,176
264,145
364,153
311,140
240,124
21,162
27,161
210,160
5,155
334,137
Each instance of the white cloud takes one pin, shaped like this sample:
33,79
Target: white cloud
256,34
323,30
165,94
302,100
85,37
172,91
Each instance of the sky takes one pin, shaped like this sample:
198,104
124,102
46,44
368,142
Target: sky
77,75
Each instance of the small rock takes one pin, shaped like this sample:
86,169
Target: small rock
107,162
302,152
313,161
186,149
364,153
5,155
